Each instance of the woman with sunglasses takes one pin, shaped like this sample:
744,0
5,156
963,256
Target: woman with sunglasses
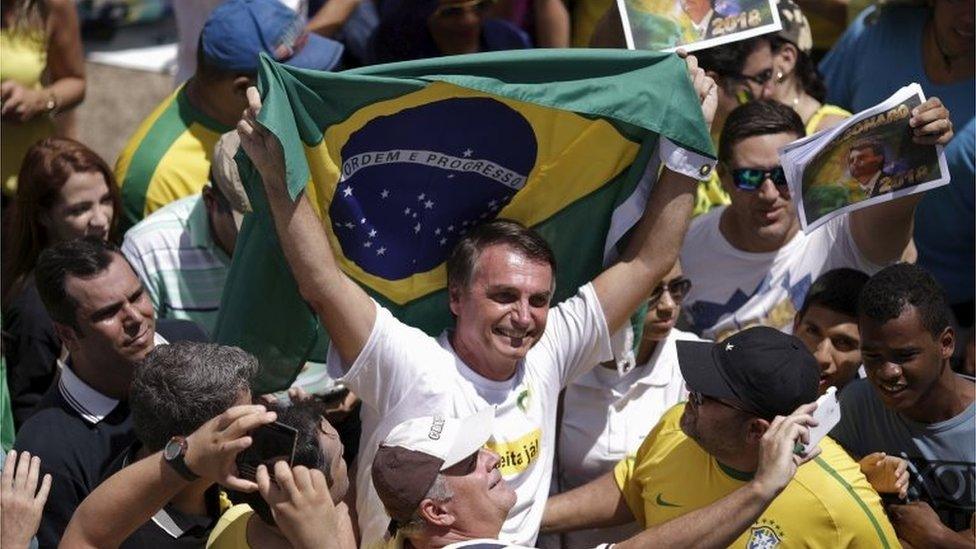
431,28
65,191
797,82
608,410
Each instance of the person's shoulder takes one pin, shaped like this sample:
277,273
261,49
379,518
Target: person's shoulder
174,329
502,35
53,431
663,441
168,220
834,481
858,394
703,236
681,335
230,532
26,313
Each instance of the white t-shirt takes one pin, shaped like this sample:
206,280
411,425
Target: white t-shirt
403,373
605,419
733,289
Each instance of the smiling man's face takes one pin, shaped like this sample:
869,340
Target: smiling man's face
903,360
114,315
503,311
480,495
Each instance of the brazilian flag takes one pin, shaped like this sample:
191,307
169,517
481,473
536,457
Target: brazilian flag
401,160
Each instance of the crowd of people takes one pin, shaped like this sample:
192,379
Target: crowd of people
523,425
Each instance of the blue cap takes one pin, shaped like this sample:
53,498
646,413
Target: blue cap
237,31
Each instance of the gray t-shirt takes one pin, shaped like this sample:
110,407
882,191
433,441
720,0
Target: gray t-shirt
944,453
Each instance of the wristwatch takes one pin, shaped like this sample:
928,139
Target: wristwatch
174,453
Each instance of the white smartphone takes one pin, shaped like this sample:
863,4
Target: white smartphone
827,415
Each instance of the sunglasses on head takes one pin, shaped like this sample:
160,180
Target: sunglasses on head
750,179
460,8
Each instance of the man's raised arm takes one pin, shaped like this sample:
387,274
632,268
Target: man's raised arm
883,231
345,310
133,495
656,241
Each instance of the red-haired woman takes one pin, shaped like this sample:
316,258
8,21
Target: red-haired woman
65,191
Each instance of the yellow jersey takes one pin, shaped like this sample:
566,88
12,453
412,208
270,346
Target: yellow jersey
829,504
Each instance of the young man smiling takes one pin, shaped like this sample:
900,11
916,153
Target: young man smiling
913,404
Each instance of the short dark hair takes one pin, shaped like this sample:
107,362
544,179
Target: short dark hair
464,257
181,386
306,417
81,258
836,290
876,147
763,117
729,59
895,287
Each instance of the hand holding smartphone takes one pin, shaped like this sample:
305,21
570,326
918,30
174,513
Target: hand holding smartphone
827,415
269,444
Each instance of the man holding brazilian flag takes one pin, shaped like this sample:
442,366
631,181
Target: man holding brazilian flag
399,164
370,177
556,140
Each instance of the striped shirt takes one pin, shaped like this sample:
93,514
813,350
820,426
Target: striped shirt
167,158
178,261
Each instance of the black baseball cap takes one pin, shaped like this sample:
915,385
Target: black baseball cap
770,373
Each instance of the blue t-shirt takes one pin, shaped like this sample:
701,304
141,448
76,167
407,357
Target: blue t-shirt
944,453
945,221
881,52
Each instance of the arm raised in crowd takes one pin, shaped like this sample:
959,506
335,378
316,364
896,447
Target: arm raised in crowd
656,241
345,310
883,231
601,503
132,496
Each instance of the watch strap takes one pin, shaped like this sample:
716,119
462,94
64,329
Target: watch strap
177,461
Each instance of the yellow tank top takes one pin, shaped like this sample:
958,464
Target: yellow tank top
22,59
813,125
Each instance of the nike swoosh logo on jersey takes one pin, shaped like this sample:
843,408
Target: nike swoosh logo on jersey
660,501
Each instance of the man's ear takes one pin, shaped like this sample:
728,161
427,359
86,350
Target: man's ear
947,342
755,430
435,513
68,335
454,299
242,83
725,178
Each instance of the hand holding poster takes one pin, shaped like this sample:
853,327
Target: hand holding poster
665,25
868,159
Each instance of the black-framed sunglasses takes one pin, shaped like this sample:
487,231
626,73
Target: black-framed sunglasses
759,79
698,399
460,8
678,288
750,179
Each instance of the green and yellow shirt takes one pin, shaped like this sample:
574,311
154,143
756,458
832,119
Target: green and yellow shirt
167,158
828,504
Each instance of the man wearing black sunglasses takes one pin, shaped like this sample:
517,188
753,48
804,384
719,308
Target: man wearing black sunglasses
703,451
749,260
